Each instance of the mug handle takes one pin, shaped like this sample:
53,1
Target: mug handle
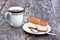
6,18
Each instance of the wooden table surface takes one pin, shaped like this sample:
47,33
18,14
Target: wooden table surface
44,9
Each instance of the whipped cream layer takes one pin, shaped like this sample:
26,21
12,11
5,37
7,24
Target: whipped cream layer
42,27
39,27
33,25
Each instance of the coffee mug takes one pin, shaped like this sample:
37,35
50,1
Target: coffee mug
16,16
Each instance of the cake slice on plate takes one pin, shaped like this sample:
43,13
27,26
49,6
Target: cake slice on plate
39,25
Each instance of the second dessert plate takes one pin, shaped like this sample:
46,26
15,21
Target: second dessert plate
25,28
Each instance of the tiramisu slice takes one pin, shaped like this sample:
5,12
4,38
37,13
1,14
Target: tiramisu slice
39,25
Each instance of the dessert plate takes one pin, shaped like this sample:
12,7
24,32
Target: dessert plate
25,28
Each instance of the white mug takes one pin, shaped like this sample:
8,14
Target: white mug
16,16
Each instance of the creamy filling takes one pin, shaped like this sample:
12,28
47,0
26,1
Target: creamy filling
32,25
41,27
38,26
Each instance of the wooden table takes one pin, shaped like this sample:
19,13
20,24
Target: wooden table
44,9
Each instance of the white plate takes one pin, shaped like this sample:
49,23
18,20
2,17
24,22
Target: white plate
25,28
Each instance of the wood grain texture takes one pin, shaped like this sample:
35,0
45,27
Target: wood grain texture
44,9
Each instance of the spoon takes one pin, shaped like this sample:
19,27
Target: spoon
46,33
51,33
